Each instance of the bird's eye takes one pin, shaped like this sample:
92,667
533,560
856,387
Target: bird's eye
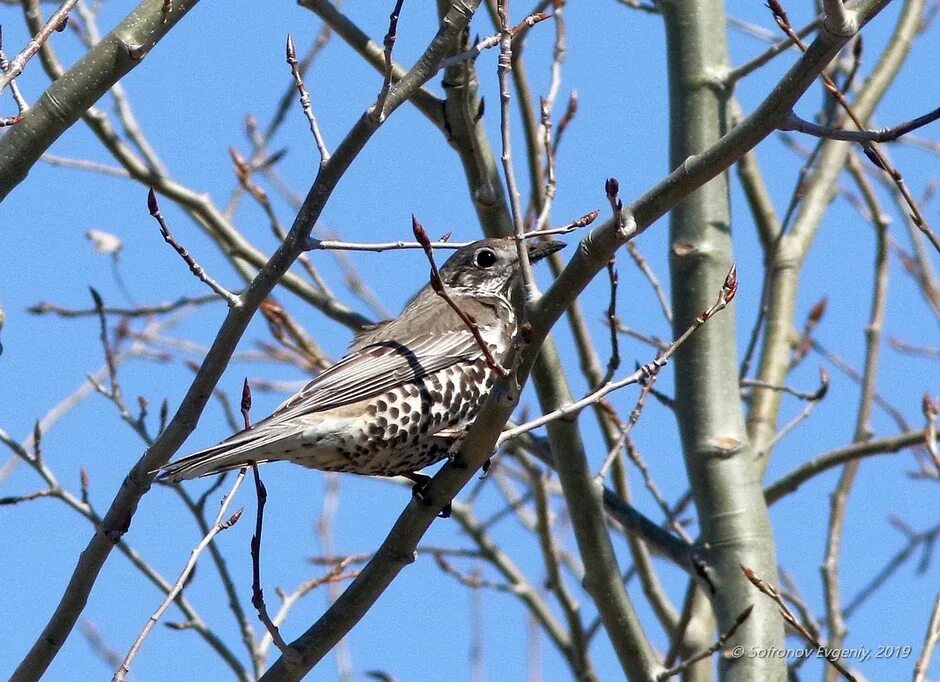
485,258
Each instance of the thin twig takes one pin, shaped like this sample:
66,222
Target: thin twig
333,577
872,150
578,653
230,298
577,224
43,308
812,400
930,642
925,541
766,588
863,427
14,87
790,482
889,134
55,23
719,643
728,290
651,277
305,101
492,41
218,526
752,65
378,110
613,364
504,68
257,594
438,285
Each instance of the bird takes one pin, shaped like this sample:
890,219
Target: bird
406,390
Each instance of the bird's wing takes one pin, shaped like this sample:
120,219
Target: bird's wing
378,367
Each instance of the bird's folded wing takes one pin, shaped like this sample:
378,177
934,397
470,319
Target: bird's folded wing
380,367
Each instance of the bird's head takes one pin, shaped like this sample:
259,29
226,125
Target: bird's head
490,266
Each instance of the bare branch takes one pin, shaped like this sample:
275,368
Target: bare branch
504,68
930,642
44,308
727,293
438,285
230,298
794,122
305,101
221,523
378,110
719,643
769,590
881,446
55,23
257,594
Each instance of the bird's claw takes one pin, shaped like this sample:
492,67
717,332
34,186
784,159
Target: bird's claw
421,483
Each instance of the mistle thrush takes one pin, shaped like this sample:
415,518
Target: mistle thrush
406,390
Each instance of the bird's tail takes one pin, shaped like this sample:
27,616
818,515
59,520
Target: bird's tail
233,453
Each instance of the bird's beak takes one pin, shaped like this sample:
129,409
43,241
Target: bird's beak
539,250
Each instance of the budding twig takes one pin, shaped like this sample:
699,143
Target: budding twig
305,101
56,23
503,69
725,296
702,655
257,594
769,590
871,148
577,224
194,267
378,111
438,285
221,523
493,40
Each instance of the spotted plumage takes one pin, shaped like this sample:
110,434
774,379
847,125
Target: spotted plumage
405,391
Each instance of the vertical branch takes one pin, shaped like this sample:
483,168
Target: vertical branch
863,430
578,651
546,105
378,112
21,104
257,594
723,471
328,509
817,192
504,68
305,101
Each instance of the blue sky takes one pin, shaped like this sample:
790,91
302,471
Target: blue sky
191,96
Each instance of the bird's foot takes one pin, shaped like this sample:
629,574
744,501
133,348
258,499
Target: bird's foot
421,483
453,449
